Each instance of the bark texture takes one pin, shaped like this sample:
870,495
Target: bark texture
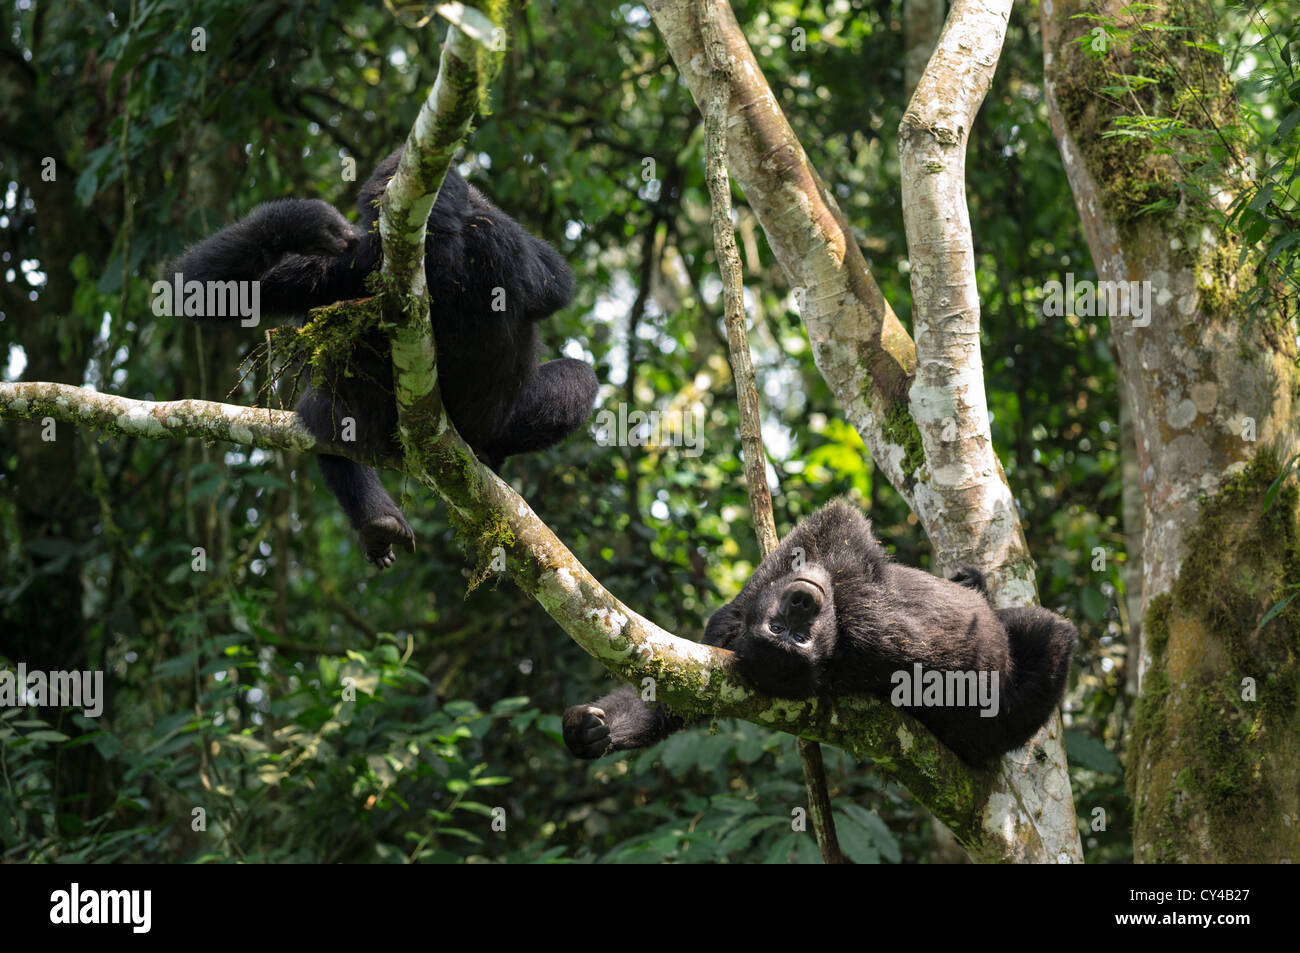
742,368
440,128
972,514
1214,761
922,23
974,520
858,343
165,420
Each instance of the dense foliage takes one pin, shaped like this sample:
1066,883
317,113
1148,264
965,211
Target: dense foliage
224,684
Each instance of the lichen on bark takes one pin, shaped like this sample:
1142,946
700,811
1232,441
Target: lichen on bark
898,428
1208,760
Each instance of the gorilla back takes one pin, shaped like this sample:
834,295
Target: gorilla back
489,283
827,613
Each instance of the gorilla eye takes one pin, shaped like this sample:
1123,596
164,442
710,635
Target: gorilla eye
776,627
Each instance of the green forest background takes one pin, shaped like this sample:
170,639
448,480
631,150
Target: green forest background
223,685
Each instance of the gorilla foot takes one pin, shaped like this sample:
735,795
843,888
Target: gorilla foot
586,732
380,533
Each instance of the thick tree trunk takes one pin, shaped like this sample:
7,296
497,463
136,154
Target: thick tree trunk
1214,763
1134,523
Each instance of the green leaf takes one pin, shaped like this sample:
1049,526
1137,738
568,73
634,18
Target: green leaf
51,736
461,833
879,830
1086,751
1282,244
779,852
1286,125
1262,197
1277,610
855,840
509,706
1256,230
806,849
461,709
1094,603
1276,485
746,831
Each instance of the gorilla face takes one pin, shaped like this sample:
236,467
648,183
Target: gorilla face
789,633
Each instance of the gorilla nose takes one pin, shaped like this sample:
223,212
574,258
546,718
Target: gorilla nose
800,602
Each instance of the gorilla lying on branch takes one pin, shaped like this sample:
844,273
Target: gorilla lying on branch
827,614
489,283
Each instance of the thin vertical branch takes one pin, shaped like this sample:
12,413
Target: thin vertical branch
742,369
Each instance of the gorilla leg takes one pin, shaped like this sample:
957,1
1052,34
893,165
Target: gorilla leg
1041,645
555,402
369,507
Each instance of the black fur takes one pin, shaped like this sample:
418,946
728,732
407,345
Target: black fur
827,614
306,254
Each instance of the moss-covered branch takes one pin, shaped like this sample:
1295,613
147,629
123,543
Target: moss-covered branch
441,126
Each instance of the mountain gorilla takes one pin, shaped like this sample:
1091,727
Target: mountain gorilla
489,283
827,614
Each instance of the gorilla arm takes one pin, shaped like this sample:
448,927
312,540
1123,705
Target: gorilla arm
301,236
622,721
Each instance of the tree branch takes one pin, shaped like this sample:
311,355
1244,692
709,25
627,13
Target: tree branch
979,525
694,679
751,427
172,419
860,347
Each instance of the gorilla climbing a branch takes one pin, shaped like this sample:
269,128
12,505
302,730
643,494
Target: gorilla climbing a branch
489,283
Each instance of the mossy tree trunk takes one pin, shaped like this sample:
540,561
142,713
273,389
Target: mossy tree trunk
1214,758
